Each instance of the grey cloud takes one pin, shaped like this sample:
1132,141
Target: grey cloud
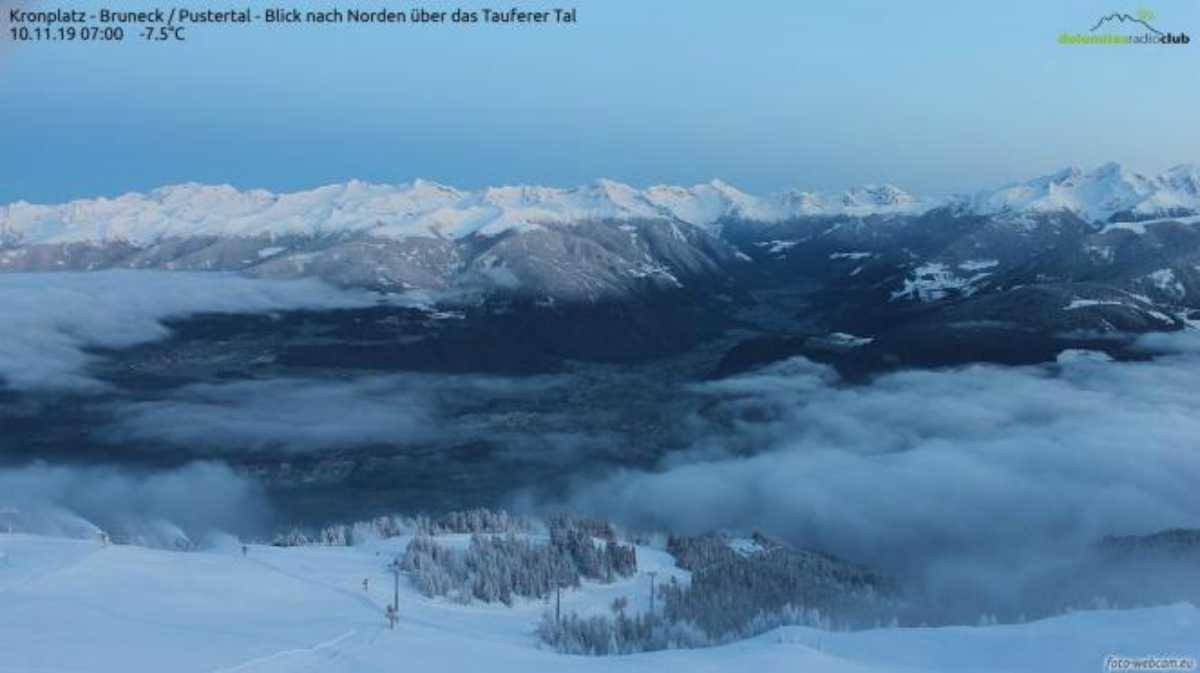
161,508
282,413
48,319
301,415
941,476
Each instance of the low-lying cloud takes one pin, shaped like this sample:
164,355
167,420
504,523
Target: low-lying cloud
298,415
49,319
966,481
284,414
945,477
176,508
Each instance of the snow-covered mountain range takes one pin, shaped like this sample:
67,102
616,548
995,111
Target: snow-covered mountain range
427,209
1100,251
415,209
1108,193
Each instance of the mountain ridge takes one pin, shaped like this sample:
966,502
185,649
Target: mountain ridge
1105,251
419,208
427,209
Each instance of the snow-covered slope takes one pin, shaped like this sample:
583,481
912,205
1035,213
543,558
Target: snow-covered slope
597,242
603,240
1099,195
75,605
415,209
427,209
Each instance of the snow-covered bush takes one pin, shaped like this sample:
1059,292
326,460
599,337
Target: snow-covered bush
621,634
477,521
625,634
384,527
496,568
592,561
737,593
292,537
590,526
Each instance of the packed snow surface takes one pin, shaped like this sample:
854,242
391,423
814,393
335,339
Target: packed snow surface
1071,355
77,605
1139,227
1087,303
935,281
1165,281
778,247
851,340
979,264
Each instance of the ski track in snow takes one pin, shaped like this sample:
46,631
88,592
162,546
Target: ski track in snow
41,576
318,649
323,651
359,598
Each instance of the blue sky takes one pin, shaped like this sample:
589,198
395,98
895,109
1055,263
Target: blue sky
935,97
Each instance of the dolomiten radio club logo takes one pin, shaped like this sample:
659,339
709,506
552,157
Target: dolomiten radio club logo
1123,28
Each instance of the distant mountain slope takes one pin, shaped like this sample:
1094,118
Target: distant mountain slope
419,209
1083,253
423,209
588,243
1111,192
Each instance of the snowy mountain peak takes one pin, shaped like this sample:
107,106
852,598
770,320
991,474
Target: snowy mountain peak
612,188
878,195
728,190
1112,168
423,208
856,201
1184,178
1099,195
1066,175
424,186
420,208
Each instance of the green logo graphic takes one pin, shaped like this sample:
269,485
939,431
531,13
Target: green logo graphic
1139,22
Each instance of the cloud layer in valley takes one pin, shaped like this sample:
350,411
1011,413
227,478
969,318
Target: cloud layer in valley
305,415
969,481
49,319
173,508
950,477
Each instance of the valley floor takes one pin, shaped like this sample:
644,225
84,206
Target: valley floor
73,606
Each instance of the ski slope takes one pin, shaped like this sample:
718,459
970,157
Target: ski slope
70,606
